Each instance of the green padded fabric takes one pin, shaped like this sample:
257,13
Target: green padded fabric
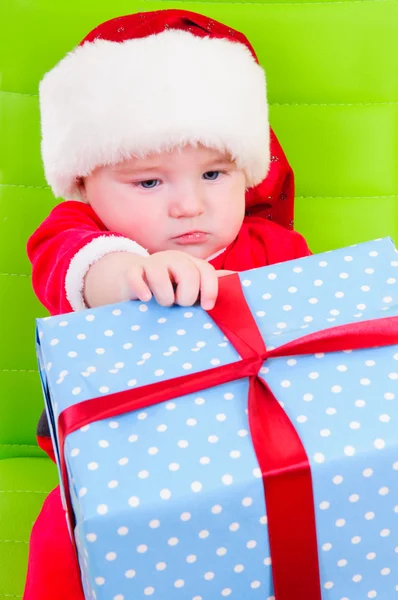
332,70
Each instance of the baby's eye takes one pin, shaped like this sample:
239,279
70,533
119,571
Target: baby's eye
148,184
211,175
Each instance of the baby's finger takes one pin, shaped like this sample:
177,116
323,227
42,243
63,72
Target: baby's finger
159,281
134,285
186,275
208,285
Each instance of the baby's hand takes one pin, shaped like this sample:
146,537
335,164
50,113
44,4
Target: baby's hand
172,277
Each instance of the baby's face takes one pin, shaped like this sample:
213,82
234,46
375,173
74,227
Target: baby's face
189,199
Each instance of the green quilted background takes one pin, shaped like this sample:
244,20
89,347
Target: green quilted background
332,72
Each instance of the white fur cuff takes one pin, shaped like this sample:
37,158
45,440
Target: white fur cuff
87,256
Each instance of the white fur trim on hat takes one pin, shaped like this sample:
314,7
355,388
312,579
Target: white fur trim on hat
87,256
107,101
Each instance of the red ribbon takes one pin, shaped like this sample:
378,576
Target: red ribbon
280,452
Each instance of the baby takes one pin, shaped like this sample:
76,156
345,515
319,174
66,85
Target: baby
157,127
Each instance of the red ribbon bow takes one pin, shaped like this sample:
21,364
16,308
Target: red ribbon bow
280,452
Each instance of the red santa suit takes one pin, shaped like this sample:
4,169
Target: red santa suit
72,238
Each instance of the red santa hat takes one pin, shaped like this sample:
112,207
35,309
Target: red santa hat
151,81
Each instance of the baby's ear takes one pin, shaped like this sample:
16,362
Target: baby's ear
80,191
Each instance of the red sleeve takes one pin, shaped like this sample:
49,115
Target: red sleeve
70,226
63,248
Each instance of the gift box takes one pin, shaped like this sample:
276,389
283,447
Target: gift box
251,451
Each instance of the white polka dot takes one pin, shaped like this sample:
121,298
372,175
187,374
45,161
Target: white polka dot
372,594
134,501
207,326
281,325
385,532
209,576
327,547
159,372
183,444
92,466
383,491
395,466
257,473
365,381
313,375
389,396
385,571
99,580
340,522
313,300
187,366
161,566
319,458
255,585
325,432
318,282
143,307
113,484
132,382
337,479
339,294
349,450
324,505
179,583
292,289
357,578
239,568
170,406
328,585
391,281
204,460
191,422
266,296
192,558
196,486
234,527
212,439
103,389
369,516
308,397
287,307
148,591
173,541
162,320
102,509
154,523
371,555
227,479
123,530
165,494
379,444
123,461
111,556
353,498
356,539
247,502
251,544
267,561
221,551
82,492
186,516
142,548
143,474
342,562
91,537
286,383
85,428
365,288
216,509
